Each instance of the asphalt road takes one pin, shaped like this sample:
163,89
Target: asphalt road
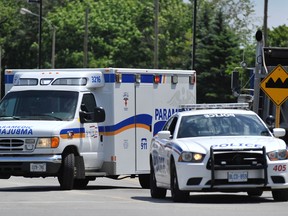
105,197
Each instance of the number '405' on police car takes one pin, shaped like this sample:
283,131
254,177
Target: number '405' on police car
218,150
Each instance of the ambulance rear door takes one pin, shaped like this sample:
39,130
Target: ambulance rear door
143,124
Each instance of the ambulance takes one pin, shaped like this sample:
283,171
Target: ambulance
80,124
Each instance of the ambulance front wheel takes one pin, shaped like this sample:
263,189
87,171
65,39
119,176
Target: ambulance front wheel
67,173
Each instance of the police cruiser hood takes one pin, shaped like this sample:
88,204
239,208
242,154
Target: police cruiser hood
203,144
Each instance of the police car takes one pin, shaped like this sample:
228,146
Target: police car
218,150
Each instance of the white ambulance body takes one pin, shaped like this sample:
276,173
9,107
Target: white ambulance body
79,124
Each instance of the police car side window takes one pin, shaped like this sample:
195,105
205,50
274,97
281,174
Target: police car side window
88,102
170,125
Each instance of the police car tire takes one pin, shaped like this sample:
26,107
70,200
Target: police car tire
177,195
66,177
156,192
280,195
144,180
255,193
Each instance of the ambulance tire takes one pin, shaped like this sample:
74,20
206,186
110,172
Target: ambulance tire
177,195
80,183
156,192
144,180
280,195
67,173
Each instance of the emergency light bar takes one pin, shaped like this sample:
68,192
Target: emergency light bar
184,107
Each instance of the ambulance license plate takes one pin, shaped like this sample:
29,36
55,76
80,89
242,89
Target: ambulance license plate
238,176
37,167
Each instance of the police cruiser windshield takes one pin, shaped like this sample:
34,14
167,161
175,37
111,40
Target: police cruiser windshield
221,125
39,105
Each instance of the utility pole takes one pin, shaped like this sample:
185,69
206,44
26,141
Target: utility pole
156,30
85,59
1,74
40,31
40,36
265,21
194,35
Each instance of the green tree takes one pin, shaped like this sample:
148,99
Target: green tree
278,36
217,52
121,33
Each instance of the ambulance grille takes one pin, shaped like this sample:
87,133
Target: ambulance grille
11,145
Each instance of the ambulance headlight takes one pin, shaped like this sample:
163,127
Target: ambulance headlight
191,157
281,154
48,142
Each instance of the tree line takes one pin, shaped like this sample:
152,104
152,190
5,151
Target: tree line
121,34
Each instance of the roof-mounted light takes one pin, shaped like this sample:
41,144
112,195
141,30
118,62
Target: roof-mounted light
26,82
192,79
81,81
138,78
46,81
214,106
156,78
118,77
174,79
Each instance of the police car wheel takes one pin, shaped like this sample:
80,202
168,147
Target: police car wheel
255,192
67,173
156,192
144,180
280,195
177,195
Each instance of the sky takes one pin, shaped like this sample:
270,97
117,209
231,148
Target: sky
277,12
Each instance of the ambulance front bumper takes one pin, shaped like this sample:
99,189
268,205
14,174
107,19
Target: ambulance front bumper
30,166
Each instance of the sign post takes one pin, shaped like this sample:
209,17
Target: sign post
275,86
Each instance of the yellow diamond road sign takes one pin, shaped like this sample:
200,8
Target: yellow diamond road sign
275,85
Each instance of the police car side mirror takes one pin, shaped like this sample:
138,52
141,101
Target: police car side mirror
279,132
164,135
99,114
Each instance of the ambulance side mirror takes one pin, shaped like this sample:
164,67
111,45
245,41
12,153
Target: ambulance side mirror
99,114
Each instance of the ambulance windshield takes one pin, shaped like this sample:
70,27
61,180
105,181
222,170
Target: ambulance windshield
39,105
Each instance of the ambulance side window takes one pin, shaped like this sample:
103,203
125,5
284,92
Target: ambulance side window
88,103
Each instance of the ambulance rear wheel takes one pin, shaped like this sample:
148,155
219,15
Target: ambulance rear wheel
80,183
67,173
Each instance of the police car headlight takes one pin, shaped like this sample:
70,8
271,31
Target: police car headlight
191,157
281,154
51,142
